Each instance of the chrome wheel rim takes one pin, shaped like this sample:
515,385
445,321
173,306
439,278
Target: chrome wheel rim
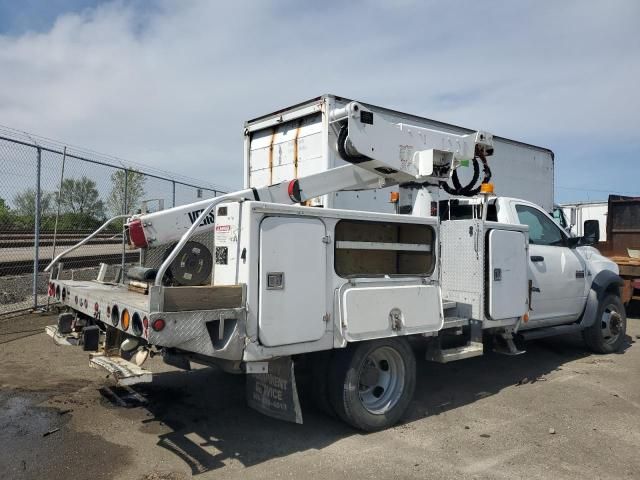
381,380
611,324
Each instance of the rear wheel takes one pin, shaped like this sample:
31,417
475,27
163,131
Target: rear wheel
372,383
607,333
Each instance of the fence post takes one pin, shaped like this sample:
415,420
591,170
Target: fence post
55,225
36,233
125,210
173,183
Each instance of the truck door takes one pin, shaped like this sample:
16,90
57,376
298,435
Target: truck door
557,271
293,262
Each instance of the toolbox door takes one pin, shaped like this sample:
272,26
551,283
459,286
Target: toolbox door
293,262
507,274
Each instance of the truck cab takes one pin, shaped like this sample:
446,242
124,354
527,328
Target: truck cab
563,270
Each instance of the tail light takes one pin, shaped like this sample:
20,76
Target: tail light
136,324
115,315
126,319
136,234
52,289
158,324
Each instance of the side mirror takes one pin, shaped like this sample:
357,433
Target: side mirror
573,214
591,232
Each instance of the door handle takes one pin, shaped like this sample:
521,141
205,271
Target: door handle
537,258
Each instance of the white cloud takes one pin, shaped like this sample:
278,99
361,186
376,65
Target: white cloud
172,86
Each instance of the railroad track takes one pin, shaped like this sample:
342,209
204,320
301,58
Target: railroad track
21,267
13,239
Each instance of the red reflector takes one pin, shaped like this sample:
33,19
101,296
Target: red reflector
145,322
158,324
136,234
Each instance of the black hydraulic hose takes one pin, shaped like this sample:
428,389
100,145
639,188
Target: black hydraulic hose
487,176
458,189
342,147
469,190
456,181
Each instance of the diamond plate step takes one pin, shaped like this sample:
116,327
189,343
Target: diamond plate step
125,373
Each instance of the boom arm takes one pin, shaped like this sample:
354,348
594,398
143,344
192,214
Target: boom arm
168,226
380,154
404,152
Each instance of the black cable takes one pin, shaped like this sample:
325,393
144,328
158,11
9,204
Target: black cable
472,182
342,149
458,189
487,176
469,190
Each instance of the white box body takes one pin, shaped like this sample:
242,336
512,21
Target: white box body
301,140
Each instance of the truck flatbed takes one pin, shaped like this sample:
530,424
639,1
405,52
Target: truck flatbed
83,294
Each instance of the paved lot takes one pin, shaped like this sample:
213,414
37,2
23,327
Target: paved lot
488,417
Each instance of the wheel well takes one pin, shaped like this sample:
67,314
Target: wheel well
613,289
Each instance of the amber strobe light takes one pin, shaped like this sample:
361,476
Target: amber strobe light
125,319
486,188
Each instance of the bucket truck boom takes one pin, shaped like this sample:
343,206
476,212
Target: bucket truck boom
379,154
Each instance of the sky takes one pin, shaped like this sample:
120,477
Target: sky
170,83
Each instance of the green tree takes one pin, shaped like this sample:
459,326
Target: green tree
25,203
5,214
4,208
135,191
81,197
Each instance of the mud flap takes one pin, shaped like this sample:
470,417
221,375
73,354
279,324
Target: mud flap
275,394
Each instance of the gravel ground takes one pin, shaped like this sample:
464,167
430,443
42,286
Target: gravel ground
555,412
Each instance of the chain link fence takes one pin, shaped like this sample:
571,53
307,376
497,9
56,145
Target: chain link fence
53,195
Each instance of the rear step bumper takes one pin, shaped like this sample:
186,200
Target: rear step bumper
123,371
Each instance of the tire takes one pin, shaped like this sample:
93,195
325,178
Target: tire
607,333
371,383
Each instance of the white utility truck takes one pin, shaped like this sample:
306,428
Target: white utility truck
258,282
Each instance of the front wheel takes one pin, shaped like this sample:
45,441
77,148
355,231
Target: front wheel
372,383
607,333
